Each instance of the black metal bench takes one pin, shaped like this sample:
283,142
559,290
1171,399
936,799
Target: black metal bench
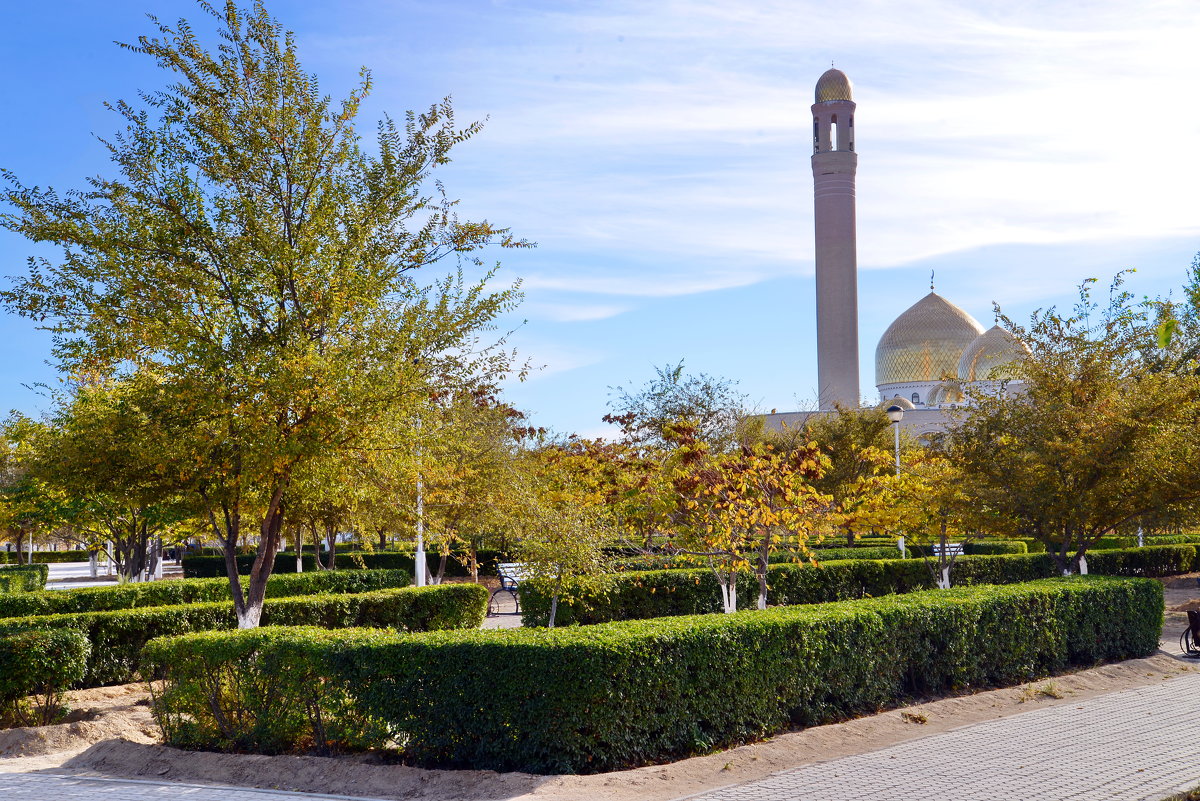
511,575
1189,641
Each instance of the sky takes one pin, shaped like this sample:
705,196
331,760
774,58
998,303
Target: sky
658,154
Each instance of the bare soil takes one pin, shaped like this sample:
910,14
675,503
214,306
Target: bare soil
115,736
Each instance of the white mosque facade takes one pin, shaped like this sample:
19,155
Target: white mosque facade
935,356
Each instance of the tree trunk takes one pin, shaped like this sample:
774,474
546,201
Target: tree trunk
728,583
441,571
316,546
270,536
382,540
331,546
763,564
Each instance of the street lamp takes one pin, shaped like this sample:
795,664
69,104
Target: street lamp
896,414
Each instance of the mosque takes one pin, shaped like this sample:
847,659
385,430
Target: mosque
931,354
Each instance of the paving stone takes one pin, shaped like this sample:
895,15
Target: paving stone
1136,745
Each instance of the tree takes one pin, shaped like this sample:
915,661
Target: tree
933,502
1097,437
262,265
711,405
859,471
97,456
737,509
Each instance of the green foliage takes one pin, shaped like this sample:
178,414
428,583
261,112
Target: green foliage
668,562
47,557
456,566
117,637
42,664
617,696
23,578
187,591
262,690
664,593
1099,436
978,548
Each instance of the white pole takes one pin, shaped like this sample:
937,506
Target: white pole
419,562
896,425
1141,539
158,561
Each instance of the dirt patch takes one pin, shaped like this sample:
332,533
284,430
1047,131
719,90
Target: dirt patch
98,752
96,715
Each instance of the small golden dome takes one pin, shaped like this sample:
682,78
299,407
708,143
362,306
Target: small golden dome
992,356
925,343
833,85
903,403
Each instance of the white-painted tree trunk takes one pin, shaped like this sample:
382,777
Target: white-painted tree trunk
900,546
93,565
729,595
1083,565
944,581
250,616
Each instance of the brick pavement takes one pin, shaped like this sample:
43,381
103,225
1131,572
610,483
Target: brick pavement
1134,745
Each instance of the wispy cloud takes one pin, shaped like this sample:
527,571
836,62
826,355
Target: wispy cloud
681,129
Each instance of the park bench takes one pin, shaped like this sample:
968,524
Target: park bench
952,549
1189,641
511,575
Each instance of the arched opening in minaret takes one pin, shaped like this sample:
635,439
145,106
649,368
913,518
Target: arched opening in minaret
833,132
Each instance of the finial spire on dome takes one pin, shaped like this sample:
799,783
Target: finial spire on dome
931,280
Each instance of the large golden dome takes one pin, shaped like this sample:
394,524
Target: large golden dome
924,343
992,356
833,85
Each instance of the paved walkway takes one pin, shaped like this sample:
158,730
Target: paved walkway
1135,745
40,787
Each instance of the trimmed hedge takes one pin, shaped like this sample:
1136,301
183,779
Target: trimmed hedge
666,593
174,592
16,579
285,562
978,548
40,663
617,696
117,637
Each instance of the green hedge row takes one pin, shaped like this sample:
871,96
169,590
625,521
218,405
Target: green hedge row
456,566
42,664
117,637
46,557
186,591
618,696
23,578
664,562
978,548
666,593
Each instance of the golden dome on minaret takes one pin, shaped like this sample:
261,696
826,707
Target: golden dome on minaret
833,85
925,343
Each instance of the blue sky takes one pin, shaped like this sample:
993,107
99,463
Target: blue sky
658,153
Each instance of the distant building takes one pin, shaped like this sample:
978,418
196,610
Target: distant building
931,352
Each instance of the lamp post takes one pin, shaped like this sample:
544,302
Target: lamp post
895,414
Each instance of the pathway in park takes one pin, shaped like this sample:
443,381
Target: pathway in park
41,787
1134,745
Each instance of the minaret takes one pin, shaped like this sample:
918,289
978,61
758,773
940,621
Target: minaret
834,163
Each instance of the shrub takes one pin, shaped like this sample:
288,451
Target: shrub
616,696
117,637
173,593
664,593
684,562
978,548
42,664
285,562
23,578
